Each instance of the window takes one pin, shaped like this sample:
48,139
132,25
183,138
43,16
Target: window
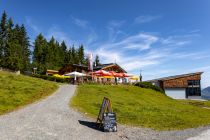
193,88
194,83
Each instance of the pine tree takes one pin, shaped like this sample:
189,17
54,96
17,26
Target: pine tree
69,56
74,56
13,51
52,57
97,61
40,53
3,38
14,45
24,42
64,53
81,55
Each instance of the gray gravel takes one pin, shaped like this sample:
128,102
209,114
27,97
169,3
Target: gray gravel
52,119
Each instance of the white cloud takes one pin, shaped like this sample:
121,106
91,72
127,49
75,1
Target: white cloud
80,22
146,51
195,31
146,18
116,23
173,41
137,42
114,30
192,56
140,41
118,51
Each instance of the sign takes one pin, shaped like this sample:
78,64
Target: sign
106,106
109,122
106,117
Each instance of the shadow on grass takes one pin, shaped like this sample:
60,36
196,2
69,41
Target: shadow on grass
92,125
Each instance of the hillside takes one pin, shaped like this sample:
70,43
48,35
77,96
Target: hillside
19,90
136,106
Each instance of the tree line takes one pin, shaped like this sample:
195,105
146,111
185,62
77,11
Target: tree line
15,52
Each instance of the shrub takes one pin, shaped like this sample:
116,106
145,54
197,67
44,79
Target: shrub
150,86
51,78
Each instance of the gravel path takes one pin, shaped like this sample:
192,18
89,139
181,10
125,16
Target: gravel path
52,119
203,136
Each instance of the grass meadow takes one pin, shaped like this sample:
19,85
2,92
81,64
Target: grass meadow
141,107
19,90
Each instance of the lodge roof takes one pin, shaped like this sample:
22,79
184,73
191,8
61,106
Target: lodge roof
95,68
175,77
104,66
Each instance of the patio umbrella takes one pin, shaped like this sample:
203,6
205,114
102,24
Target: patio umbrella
113,73
102,73
134,78
122,75
75,74
126,75
119,75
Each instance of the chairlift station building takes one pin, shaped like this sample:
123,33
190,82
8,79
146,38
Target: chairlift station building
180,86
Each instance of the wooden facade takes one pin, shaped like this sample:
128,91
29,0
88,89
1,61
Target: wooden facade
181,82
73,67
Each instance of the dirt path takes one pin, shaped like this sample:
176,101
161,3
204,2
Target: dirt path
51,118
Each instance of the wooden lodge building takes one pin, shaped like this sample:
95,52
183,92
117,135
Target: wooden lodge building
180,86
84,69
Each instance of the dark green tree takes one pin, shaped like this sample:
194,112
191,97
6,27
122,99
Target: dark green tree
3,38
53,57
13,50
25,47
74,56
64,53
40,53
97,61
81,55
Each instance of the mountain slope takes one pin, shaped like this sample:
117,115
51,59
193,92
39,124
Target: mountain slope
206,90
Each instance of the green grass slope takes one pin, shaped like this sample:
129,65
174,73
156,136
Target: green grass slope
137,106
19,90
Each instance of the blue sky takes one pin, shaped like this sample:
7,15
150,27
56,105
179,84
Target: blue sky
161,37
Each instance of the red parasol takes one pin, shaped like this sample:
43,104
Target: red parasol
102,73
113,73
126,75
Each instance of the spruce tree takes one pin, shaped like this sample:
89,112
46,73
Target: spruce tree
64,53
81,55
3,38
24,42
97,61
69,56
13,51
40,53
73,55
